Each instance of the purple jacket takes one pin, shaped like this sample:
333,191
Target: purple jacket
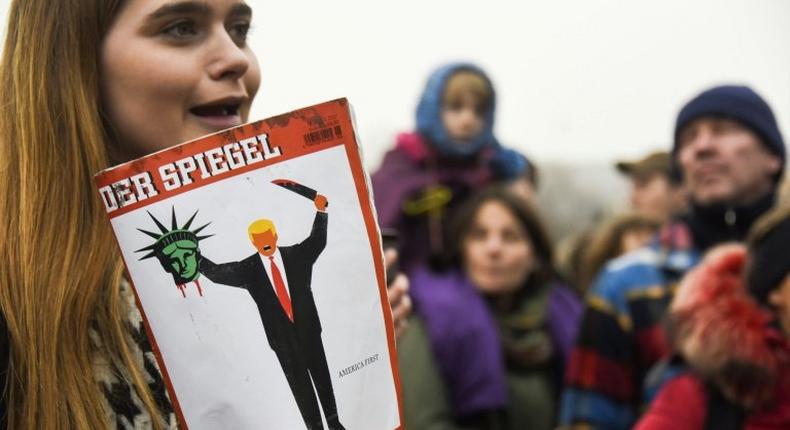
465,341
406,177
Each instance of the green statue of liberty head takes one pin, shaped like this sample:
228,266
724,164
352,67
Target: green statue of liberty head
176,249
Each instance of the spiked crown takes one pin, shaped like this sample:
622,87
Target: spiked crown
172,235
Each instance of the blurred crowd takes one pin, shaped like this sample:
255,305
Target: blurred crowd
674,314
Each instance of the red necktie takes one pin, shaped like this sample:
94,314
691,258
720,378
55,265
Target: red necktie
279,288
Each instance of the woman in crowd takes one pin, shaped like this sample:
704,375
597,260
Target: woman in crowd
613,238
487,345
87,84
731,322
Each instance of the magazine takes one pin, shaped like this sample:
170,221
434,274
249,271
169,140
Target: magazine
256,263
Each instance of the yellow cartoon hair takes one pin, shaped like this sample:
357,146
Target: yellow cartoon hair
261,226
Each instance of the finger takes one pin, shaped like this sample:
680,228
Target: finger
401,282
395,294
390,256
403,309
399,299
398,288
400,328
402,324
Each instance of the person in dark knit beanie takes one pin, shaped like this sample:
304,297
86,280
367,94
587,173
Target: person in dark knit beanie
730,154
739,103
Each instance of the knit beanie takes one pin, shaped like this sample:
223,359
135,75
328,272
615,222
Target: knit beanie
741,104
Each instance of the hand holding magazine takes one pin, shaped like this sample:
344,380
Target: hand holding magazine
265,311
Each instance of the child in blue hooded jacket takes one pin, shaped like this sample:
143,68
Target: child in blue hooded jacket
431,170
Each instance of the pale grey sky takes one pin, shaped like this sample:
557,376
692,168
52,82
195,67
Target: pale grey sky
577,80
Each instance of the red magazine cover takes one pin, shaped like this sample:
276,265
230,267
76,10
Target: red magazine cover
256,262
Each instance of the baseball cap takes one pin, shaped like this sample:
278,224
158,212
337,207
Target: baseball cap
659,162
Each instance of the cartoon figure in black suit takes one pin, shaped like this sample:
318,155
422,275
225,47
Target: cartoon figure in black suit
278,279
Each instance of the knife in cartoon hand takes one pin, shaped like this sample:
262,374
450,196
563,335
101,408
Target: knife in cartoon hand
297,188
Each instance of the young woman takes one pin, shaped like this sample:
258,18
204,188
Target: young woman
615,237
489,339
86,84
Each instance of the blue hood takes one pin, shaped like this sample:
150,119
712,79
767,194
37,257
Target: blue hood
429,115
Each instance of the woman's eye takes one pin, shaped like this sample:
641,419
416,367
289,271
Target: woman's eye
512,236
181,30
239,31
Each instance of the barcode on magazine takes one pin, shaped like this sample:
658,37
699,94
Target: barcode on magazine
323,135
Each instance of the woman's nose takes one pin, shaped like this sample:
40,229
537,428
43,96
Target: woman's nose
230,61
493,244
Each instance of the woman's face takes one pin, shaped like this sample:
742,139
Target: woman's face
174,70
497,251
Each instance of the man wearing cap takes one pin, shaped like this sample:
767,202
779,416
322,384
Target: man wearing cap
655,190
730,154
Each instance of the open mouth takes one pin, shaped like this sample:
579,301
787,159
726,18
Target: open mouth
217,110
267,247
219,114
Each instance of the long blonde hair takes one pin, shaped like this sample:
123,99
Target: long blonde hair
59,269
